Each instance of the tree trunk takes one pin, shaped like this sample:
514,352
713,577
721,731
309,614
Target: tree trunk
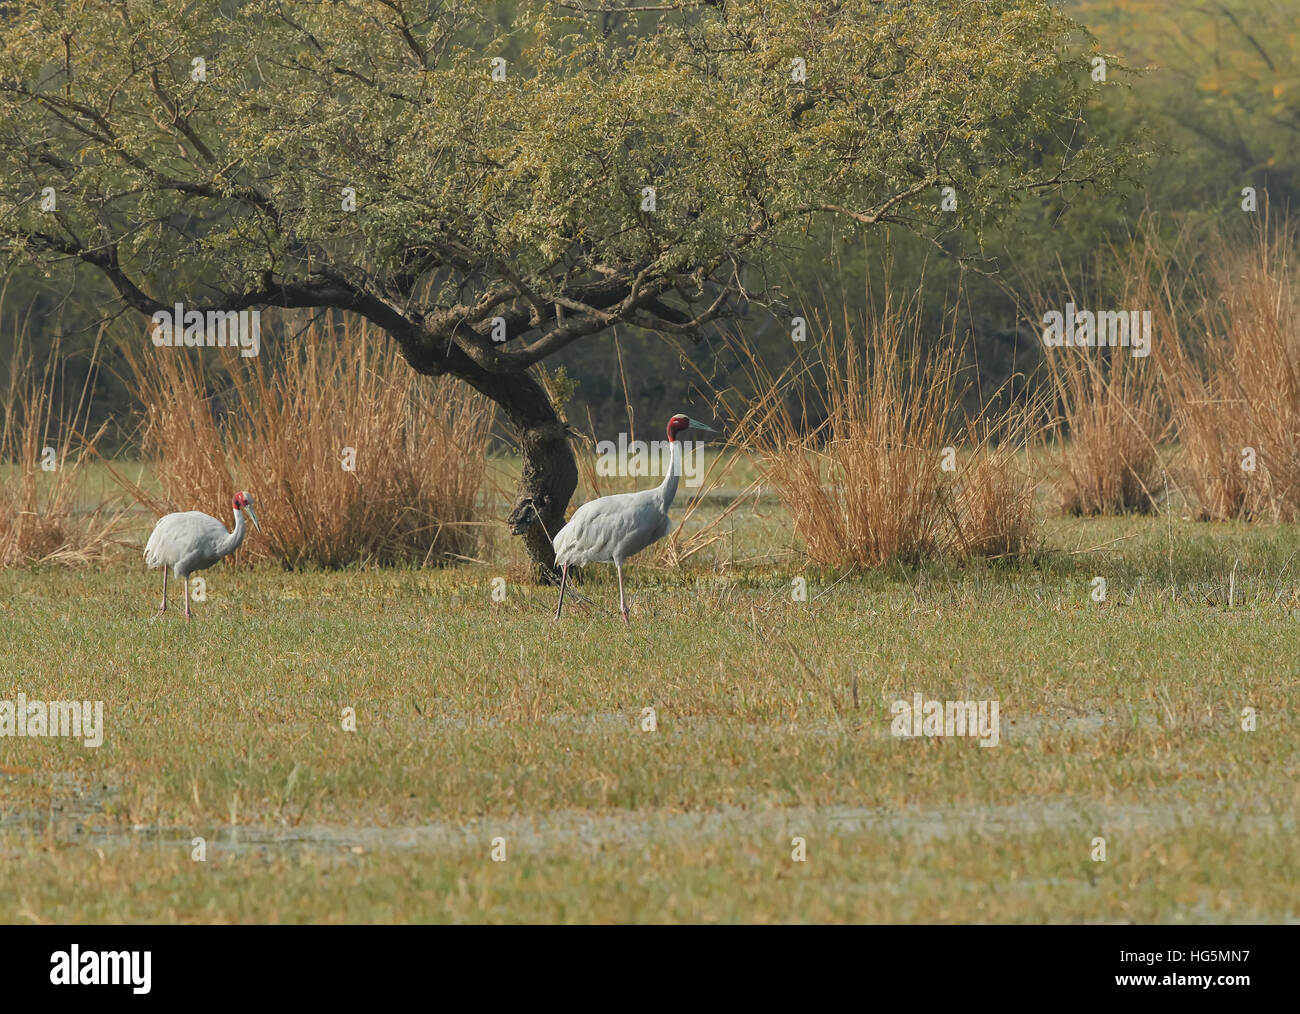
550,472
549,478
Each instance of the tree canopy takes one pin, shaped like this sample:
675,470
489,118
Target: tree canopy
492,183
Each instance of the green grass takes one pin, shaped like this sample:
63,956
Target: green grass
478,719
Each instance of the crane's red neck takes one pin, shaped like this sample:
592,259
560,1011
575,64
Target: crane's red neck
675,425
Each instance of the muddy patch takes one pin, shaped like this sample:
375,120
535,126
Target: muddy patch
569,832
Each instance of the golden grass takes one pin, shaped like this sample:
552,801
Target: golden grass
698,529
993,495
1108,460
1234,384
853,440
44,453
1109,411
418,447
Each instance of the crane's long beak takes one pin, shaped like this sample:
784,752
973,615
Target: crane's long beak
696,424
253,517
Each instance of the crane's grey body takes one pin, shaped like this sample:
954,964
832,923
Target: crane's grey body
614,528
191,540
611,529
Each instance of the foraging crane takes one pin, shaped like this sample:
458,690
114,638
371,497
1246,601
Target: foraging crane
191,540
612,528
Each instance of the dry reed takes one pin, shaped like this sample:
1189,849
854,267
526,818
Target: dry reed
1233,377
44,458
1110,416
854,438
351,457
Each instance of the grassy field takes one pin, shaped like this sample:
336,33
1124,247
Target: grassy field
478,720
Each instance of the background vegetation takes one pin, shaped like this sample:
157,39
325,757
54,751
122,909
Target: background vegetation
1208,100
827,565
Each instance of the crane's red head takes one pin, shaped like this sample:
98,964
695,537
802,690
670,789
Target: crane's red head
244,502
681,422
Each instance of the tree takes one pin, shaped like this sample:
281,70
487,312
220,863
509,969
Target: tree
490,191
1223,84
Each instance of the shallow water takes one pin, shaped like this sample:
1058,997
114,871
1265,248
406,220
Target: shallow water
569,831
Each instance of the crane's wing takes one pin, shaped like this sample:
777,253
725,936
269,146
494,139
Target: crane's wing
187,536
611,528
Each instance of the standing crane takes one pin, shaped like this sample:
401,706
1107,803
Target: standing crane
612,528
191,540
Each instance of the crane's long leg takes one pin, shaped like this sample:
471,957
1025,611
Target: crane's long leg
186,582
164,605
622,602
564,577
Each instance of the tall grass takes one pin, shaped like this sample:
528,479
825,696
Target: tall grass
856,454
699,529
992,511
282,432
1109,427
1110,416
1233,376
44,454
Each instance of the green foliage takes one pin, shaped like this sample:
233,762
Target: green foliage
1222,86
523,197
212,184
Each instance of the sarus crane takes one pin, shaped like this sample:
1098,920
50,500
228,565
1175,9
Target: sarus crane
191,540
612,528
